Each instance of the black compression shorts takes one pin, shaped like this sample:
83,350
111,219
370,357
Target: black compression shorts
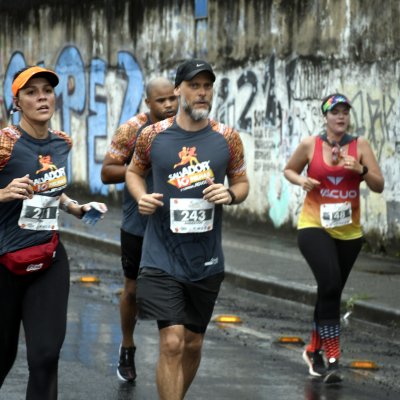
131,252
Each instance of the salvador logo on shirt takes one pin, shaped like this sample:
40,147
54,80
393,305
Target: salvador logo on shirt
51,179
193,172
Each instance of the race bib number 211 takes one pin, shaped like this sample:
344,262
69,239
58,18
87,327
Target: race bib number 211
40,213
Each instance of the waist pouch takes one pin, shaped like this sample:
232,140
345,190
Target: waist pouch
31,259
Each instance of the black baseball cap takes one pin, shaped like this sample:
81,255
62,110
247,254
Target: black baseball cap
190,68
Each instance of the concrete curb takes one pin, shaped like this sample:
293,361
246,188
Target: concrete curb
85,239
293,291
267,285
377,313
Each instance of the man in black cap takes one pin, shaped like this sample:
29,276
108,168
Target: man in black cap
182,265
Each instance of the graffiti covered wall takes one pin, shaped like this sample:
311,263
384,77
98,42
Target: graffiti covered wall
276,103
276,66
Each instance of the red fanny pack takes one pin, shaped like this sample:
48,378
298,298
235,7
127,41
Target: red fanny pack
31,259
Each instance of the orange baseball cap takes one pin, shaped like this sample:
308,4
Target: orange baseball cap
21,80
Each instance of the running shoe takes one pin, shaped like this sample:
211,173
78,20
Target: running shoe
126,370
333,374
315,362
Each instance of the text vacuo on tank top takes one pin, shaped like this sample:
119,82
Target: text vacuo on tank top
339,194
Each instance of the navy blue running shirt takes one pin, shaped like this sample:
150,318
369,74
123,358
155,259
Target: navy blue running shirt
181,162
121,148
45,160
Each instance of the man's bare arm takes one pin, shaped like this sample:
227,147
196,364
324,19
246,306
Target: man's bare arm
236,193
113,170
136,184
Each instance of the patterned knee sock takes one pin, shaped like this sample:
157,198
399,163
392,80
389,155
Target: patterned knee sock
330,335
315,342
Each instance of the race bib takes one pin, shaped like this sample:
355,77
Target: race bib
191,215
333,215
40,213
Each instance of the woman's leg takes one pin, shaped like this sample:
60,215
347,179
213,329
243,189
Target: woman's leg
11,293
320,252
330,261
348,251
45,319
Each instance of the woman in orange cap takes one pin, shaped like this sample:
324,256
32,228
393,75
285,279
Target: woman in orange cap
329,231
34,270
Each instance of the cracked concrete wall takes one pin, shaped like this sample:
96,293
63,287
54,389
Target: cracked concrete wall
274,59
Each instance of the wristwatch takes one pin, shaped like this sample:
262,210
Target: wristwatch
364,171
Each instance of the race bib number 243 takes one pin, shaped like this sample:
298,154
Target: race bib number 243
191,215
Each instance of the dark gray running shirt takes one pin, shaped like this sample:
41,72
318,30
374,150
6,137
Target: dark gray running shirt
181,161
45,160
121,148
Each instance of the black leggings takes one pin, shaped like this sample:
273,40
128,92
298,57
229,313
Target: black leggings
40,301
331,261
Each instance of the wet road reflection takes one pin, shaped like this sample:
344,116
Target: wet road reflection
86,329
239,362
315,390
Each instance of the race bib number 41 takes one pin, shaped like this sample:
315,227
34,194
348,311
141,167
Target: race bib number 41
191,215
333,215
40,213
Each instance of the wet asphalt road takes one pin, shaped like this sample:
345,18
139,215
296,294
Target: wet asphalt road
243,361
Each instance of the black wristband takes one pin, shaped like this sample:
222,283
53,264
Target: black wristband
233,197
364,171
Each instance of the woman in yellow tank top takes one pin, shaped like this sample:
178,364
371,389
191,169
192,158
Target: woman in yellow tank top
329,230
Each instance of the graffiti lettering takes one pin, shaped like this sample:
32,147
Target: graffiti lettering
71,94
248,78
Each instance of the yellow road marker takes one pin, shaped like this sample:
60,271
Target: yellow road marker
363,364
291,340
89,279
225,318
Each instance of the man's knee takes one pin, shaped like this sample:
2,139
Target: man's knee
130,290
172,343
129,297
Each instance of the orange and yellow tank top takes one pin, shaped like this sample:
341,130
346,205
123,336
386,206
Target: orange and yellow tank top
335,204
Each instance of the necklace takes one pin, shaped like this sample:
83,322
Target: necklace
336,147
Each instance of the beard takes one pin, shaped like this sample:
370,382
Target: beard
196,115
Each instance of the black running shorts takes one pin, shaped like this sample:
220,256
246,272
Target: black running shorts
131,252
161,297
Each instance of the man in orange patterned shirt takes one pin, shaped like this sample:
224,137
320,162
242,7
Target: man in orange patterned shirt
162,103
